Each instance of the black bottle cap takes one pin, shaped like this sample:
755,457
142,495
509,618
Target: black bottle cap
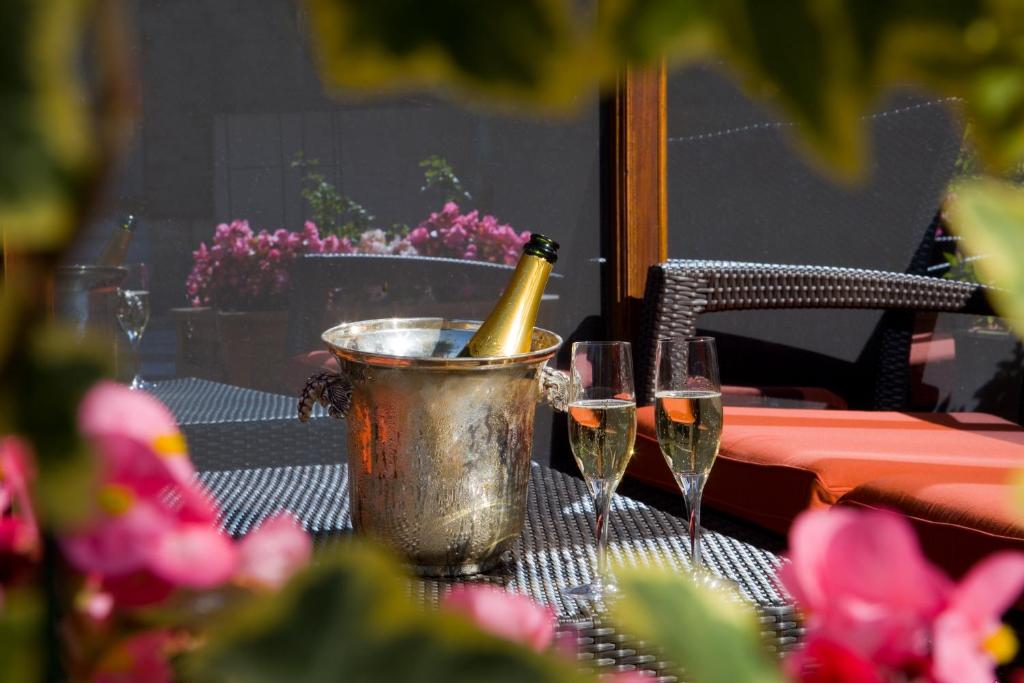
542,246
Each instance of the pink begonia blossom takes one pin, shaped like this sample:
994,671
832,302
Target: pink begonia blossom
243,270
452,234
870,595
820,660
137,589
194,555
19,531
965,630
93,602
141,657
273,551
109,409
507,615
148,520
863,582
153,527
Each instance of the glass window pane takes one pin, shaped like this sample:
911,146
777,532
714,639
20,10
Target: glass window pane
235,127
739,189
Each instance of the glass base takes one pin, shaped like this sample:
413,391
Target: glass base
719,584
138,383
594,592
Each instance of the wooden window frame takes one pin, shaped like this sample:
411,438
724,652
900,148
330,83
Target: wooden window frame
634,204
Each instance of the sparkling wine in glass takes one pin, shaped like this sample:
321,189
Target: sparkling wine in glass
133,314
688,419
602,428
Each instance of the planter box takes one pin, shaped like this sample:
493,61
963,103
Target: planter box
245,349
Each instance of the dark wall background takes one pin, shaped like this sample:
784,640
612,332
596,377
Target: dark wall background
740,189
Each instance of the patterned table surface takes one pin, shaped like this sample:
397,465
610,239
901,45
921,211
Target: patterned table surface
256,458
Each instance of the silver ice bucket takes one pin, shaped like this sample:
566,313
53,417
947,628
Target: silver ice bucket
438,446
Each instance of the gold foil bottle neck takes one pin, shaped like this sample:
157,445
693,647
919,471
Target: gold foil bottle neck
508,330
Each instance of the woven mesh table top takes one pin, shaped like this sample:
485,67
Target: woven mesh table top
257,459
200,401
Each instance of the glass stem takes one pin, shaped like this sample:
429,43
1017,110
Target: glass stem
602,505
692,486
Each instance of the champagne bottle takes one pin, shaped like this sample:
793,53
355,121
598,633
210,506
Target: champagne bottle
117,246
509,327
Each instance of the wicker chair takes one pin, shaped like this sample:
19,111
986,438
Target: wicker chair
950,473
678,291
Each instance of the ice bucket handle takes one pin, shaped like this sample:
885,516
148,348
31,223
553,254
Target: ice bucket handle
554,388
328,389
334,392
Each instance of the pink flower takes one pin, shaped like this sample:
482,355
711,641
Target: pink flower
136,589
93,602
243,270
823,661
968,632
150,517
19,531
878,610
507,615
194,555
111,408
142,657
449,233
863,582
626,677
272,552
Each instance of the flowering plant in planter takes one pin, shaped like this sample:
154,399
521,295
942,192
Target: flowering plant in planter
243,270
454,234
247,271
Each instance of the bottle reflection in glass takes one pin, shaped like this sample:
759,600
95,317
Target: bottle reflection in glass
133,314
688,419
602,428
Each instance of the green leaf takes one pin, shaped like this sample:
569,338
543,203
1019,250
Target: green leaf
643,30
42,401
989,216
713,636
532,50
20,626
351,618
801,55
45,124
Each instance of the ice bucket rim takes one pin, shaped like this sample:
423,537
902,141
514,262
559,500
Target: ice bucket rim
551,342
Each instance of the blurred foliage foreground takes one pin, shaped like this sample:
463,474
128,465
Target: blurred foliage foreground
68,99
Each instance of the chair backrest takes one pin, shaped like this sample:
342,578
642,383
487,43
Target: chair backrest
737,189
329,289
679,291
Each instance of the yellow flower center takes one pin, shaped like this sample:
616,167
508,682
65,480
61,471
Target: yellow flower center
115,499
169,444
1001,644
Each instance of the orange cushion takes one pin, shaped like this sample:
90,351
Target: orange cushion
958,522
775,463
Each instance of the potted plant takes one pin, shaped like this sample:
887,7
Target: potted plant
237,325
241,283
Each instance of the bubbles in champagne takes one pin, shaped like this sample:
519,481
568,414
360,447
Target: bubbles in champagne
689,425
601,433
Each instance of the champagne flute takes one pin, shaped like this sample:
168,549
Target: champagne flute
688,418
133,314
602,427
